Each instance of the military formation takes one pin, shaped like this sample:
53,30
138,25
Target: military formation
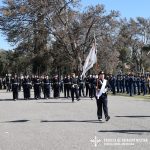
132,84
73,86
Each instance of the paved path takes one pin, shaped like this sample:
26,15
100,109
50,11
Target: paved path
59,124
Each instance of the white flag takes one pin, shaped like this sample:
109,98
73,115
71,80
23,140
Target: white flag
90,60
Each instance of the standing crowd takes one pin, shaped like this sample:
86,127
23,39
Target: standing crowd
74,86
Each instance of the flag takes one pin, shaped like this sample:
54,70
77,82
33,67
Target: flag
90,60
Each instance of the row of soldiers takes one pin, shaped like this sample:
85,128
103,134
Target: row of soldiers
72,85
40,84
130,84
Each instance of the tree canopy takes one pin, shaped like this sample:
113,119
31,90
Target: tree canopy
56,36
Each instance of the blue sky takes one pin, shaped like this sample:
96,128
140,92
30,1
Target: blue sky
127,8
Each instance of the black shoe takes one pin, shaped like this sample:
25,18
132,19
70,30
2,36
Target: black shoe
100,119
107,118
78,99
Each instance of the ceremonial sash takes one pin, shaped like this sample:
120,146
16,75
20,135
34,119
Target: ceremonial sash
102,90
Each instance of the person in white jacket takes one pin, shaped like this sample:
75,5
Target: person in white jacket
101,96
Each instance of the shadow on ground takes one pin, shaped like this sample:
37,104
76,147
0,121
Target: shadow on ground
55,102
126,131
134,116
77,121
16,121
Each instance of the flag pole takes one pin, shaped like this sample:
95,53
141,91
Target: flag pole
96,61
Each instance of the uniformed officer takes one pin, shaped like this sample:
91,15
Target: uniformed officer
15,87
81,86
37,87
91,82
138,83
65,82
118,83
87,85
112,82
56,86
93,86
8,82
143,85
46,82
123,83
20,83
127,83
101,96
26,83
74,87
130,84
134,84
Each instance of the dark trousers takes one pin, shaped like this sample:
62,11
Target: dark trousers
65,90
127,88
15,94
113,89
37,92
102,103
26,92
87,89
130,90
56,92
68,91
46,92
74,91
138,88
81,90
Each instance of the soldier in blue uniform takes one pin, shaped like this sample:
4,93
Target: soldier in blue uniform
138,83
130,84
65,81
37,87
134,84
92,84
20,83
118,83
56,86
123,83
143,85
81,86
46,87
15,87
112,82
127,83
26,83
8,83
74,88
86,86
68,86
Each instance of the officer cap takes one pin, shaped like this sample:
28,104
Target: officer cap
101,72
